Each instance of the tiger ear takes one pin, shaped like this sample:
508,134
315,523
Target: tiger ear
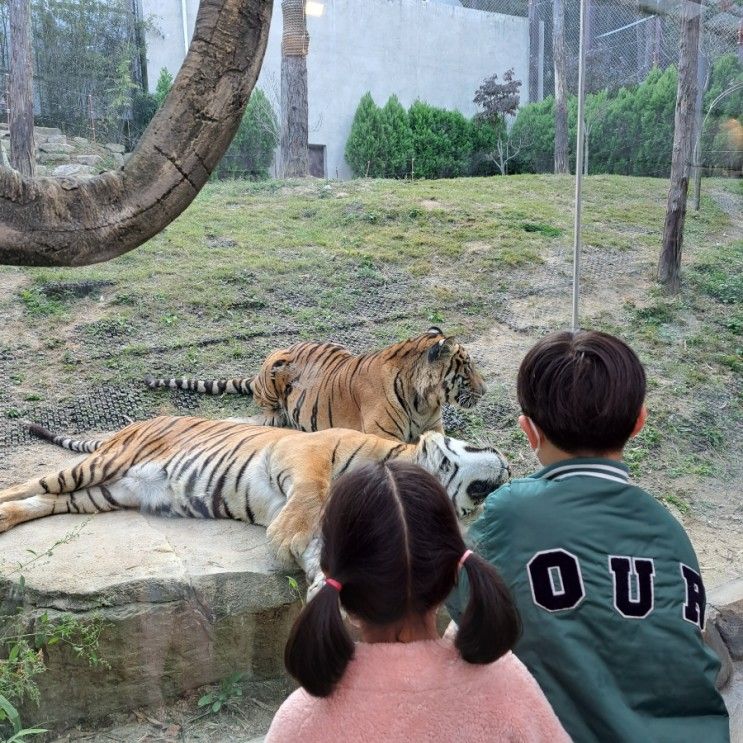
441,350
435,330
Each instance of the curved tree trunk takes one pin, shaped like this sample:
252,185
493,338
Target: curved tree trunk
70,222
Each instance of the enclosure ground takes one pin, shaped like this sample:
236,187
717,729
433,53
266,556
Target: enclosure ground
252,267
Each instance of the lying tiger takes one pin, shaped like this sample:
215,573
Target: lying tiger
278,478
396,393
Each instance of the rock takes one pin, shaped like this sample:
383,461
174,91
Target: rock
47,131
52,158
57,139
56,148
117,148
42,171
81,141
712,637
730,625
73,170
185,602
727,600
88,159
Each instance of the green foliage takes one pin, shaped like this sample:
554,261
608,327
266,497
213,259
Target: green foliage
37,304
227,693
10,713
365,148
252,150
144,107
24,640
84,54
164,84
722,139
425,141
630,130
721,276
442,141
398,139
485,136
535,128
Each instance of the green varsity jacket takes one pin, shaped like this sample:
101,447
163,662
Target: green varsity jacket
611,600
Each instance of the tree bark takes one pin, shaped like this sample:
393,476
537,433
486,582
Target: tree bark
71,222
294,117
294,107
534,52
669,265
21,100
561,108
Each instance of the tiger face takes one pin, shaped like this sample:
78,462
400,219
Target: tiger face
468,472
462,383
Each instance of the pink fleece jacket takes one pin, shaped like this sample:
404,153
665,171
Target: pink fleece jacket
421,691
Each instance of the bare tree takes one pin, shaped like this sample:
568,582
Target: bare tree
561,107
669,265
506,149
294,107
69,222
20,99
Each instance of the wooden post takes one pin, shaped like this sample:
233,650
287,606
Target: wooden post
561,108
534,52
294,107
669,265
91,114
702,82
21,100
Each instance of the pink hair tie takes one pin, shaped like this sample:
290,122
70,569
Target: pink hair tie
463,558
334,584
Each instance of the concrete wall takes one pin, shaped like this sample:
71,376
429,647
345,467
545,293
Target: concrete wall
436,52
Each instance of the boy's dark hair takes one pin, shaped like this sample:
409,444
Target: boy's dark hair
583,389
390,536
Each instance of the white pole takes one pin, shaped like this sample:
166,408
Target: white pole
184,18
579,162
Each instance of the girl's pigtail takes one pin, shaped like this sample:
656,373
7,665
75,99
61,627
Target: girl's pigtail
490,625
319,646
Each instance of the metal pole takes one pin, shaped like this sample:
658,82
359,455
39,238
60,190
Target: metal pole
184,18
579,162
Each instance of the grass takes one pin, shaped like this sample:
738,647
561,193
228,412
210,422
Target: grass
251,266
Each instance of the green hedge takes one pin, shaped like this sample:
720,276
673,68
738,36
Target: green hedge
630,130
425,141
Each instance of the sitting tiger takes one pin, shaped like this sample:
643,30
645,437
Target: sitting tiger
396,393
275,477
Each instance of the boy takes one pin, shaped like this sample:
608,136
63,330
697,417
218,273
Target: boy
606,580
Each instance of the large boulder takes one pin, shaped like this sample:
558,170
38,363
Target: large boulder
185,602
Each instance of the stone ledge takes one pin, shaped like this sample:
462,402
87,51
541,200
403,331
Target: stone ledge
186,603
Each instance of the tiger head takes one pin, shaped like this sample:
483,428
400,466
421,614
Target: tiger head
468,472
461,382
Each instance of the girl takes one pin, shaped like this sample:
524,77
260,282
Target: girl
391,553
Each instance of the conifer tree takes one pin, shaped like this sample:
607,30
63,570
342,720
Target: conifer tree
365,150
398,139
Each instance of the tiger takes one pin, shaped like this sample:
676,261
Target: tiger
396,393
274,477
